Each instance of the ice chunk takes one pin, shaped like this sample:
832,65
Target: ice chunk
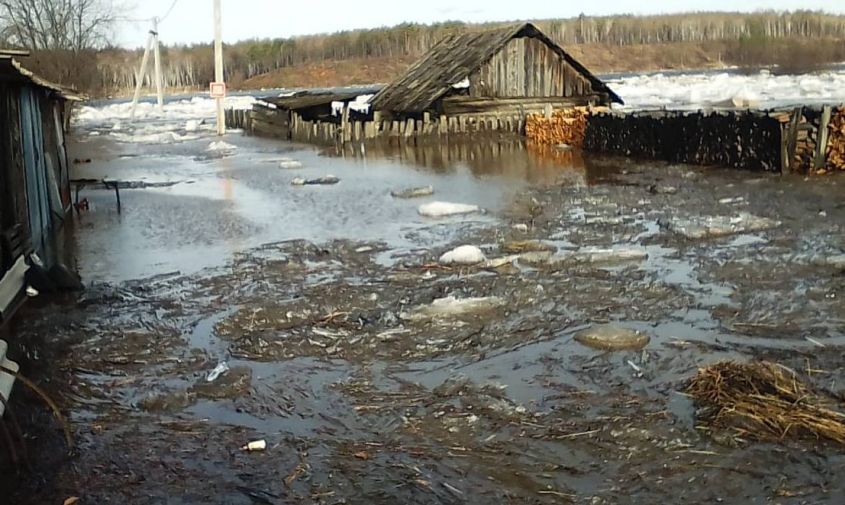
221,146
443,209
320,181
608,337
193,125
454,307
699,227
290,163
463,255
413,192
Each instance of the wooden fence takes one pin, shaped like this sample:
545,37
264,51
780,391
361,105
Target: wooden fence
291,126
238,118
744,140
775,141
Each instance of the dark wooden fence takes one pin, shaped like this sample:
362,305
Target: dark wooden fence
743,139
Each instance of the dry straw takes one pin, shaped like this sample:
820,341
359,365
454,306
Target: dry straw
763,400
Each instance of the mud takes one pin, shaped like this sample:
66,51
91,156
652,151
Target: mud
360,403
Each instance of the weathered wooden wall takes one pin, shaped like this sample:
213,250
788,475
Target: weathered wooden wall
744,140
287,125
527,67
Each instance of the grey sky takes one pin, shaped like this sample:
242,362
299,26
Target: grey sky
191,20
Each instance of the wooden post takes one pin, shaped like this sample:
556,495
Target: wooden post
444,125
344,124
409,128
820,160
792,139
548,111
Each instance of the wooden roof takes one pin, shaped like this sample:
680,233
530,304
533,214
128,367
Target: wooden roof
454,59
12,71
313,98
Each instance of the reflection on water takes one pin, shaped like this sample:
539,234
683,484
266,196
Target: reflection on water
243,198
507,157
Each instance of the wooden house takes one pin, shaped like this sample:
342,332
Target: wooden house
469,83
35,196
507,70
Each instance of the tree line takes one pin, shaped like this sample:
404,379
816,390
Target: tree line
113,69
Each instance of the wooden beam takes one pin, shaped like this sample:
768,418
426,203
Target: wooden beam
820,160
469,105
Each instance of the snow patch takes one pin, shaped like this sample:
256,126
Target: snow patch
462,84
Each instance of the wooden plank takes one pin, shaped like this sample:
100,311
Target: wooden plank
820,160
469,105
792,139
344,123
409,128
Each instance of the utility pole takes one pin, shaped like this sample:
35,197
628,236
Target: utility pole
157,59
218,64
142,72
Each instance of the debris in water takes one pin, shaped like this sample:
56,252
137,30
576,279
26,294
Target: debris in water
763,400
608,337
219,370
443,209
413,192
463,255
324,181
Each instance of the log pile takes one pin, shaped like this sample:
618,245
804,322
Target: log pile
836,140
737,139
566,126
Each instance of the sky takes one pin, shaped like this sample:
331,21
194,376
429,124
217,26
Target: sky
191,21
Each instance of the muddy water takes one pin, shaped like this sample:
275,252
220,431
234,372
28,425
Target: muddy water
235,199
304,293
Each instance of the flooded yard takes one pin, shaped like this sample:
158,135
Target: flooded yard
232,307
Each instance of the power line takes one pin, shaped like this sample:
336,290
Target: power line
127,19
168,11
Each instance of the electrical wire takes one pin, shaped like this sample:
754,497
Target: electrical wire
161,19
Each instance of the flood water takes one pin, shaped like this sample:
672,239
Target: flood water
322,303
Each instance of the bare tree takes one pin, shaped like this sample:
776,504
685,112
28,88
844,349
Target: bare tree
51,25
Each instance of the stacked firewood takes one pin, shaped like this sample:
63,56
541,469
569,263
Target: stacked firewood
836,140
566,126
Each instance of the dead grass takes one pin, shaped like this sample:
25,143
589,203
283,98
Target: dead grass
763,400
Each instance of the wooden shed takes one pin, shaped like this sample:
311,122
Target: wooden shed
35,194
507,70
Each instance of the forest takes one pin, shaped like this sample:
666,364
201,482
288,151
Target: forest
756,39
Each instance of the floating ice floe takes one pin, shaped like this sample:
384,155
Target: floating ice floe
289,163
463,255
413,192
326,180
699,227
454,307
193,125
608,337
221,146
444,209
724,89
